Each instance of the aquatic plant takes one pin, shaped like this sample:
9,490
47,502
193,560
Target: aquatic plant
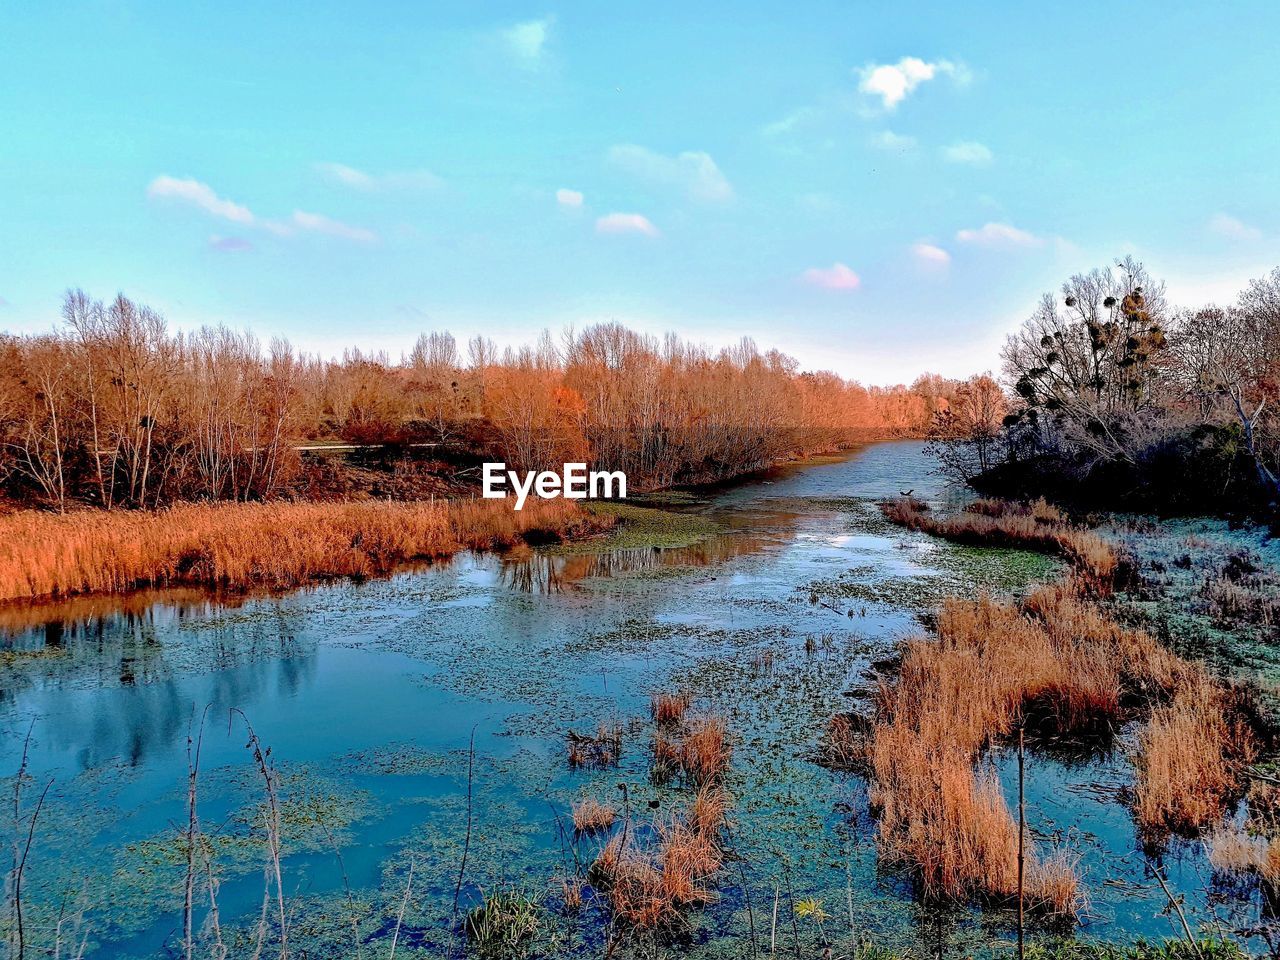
594,751
1188,758
669,708
699,751
506,926
1036,526
1056,665
244,545
1204,948
592,816
648,886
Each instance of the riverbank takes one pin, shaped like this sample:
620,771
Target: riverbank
244,546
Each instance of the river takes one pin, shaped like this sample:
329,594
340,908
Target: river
772,613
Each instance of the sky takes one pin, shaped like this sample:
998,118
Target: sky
879,189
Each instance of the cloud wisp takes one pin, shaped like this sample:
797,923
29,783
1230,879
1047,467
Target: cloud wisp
892,142
199,195
626,223
569,198
930,255
527,41
838,276
999,236
968,151
373,182
204,197
693,172
229,244
1225,225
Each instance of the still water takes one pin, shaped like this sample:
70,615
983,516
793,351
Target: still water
370,696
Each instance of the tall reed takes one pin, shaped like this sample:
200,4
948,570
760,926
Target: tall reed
273,545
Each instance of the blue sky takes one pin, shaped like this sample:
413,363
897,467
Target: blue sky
876,188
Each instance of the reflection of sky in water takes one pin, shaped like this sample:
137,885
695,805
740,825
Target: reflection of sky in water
370,691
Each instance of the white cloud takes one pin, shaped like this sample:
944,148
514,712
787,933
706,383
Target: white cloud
888,140
626,223
968,151
692,171
319,223
200,195
1228,226
788,123
569,198
930,255
203,196
836,277
894,82
528,41
395,180
999,236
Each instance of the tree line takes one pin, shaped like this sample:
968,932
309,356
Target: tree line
1118,397
113,409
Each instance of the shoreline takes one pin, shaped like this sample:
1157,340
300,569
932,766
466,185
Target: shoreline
274,546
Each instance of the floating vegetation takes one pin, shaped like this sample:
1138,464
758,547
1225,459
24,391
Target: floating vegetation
595,751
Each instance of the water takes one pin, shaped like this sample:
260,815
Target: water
369,696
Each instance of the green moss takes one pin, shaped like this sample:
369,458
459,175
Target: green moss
647,527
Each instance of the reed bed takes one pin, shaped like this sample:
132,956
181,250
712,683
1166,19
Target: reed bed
595,751
257,545
1059,665
1036,526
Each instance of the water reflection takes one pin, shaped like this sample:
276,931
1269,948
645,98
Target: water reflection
532,571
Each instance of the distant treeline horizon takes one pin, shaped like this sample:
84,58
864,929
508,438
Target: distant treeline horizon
112,409
1106,394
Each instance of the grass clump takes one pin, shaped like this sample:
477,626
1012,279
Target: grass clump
668,709
1205,948
592,816
648,886
507,926
1058,665
699,751
596,751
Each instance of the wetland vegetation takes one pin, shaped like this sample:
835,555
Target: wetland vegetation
624,744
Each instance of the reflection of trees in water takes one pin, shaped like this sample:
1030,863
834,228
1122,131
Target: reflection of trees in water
539,572
146,669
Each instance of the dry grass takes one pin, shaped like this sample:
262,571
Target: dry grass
668,709
1036,526
1189,757
1236,853
1060,665
240,546
648,887
699,751
592,816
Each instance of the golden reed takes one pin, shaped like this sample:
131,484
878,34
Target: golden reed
257,545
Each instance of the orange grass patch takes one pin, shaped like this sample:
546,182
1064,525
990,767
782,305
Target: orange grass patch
1188,759
1060,664
997,523
668,708
648,887
592,816
246,545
